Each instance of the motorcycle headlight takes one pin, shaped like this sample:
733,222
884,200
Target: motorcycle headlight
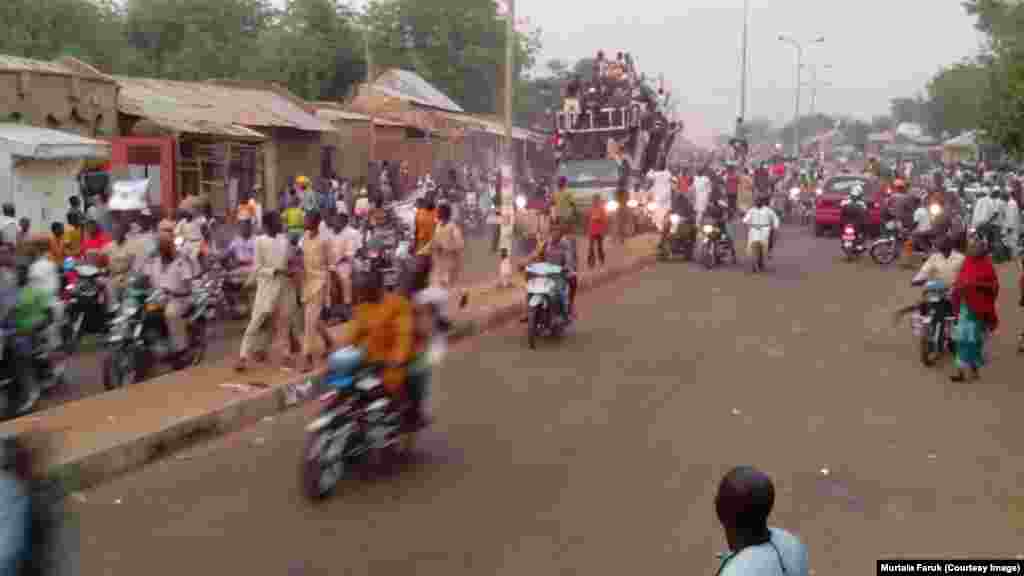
652,206
520,202
708,228
632,204
935,209
675,218
611,206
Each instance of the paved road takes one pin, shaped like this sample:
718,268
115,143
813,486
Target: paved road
602,453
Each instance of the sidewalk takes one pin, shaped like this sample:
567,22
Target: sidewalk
102,436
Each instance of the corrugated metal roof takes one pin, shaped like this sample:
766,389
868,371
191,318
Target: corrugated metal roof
10,63
410,86
213,104
18,64
334,115
33,142
206,128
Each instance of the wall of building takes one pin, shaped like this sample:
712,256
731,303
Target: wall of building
287,154
72,104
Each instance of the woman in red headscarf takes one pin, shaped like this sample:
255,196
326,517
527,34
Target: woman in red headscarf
974,295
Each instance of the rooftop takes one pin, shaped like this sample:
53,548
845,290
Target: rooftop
33,142
64,67
211,108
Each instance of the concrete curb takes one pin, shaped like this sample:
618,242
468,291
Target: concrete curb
129,454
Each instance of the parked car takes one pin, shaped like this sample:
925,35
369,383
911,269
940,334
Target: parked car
834,191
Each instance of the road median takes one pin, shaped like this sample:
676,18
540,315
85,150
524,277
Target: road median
100,437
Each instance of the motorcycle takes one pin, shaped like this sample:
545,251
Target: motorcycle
933,323
85,303
139,337
26,361
679,241
716,246
852,243
546,302
357,423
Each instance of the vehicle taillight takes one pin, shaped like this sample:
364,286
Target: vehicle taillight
849,230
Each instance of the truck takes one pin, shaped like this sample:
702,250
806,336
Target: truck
590,120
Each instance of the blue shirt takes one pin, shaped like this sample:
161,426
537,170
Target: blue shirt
14,524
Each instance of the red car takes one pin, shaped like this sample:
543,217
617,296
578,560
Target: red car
834,191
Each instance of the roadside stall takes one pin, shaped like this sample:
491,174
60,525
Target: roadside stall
39,171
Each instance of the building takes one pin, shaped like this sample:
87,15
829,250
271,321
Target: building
438,132
39,169
67,95
228,140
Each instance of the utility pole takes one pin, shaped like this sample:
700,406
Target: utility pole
370,78
510,42
799,67
743,71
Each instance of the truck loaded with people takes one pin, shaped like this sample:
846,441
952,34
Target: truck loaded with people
611,132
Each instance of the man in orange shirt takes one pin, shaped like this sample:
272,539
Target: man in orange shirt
597,229
426,223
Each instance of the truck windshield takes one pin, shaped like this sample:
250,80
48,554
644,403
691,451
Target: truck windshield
590,173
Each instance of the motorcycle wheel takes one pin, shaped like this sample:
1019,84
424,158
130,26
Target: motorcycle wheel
71,332
708,256
318,478
929,354
662,253
199,342
884,253
532,327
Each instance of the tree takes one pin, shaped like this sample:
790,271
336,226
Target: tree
315,49
197,39
89,30
956,95
456,45
1002,107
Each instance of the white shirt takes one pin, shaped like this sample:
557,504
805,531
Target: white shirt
922,220
351,240
761,221
938,267
662,187
1011,216
768,559
984,209
701,190
8,229
43,276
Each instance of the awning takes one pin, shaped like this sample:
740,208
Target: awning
202,127
44,144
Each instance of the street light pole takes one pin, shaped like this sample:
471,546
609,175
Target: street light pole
799,66
743,71
510,30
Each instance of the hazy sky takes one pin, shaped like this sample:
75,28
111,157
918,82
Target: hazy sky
878,49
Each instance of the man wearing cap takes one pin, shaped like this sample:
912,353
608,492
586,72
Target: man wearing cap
306,193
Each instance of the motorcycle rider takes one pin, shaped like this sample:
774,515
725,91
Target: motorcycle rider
922,233
763,221
173,273
383,326
559,251
120,258
985,212
853,211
